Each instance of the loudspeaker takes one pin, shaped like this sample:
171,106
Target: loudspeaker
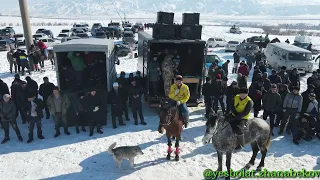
165,17
191,32
164,31
190,18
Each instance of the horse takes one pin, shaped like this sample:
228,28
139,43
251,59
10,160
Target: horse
275,40
256,132
171,121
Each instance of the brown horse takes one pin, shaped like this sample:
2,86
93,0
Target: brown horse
171,121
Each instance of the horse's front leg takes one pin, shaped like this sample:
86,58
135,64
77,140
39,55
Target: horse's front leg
228,163
177,152
169,148
220,156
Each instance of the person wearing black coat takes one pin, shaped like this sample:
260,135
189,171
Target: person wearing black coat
294,78
80,112
257,74
3,89
129,79
306,99
256,92
232,91
236,61
262,67
207,92
34,114
22,59
218,94
124,94
116,102
93,103
139,79
275,78
122,80
225,67
45,91
21,100
313,78
135,93
32,86
266,82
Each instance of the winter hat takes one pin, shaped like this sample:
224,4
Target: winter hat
31,95
274,86
115,84
17,76
296,88
6,96
234,83
283,68
243,91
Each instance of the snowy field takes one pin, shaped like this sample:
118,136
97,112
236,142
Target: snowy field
80,157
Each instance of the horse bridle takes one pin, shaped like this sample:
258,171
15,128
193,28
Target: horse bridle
168,122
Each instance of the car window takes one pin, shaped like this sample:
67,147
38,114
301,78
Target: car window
219,39
50,40
44,40
233,42
300,56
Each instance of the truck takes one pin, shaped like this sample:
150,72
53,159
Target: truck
100,77
192,65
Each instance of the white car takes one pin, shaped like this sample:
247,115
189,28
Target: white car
39,36
48,42
20,39
62,35
69,38
216,42
232,46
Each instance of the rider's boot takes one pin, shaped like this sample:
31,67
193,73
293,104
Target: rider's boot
240,139
185,121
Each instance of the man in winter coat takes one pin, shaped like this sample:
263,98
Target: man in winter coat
154,75
167,73
21,99
12,61
78,65
314,77
305,96
116,101
284,75
291,107
34,115
58,104
135,94
123,80
240,109
232,91
236,61
93,101
250,60
243,69
266,82
275,78
262,67
22,59
32,86
258,57
256,91
80,112
283,91
3,89
225,67
45,90
242,81
139,79
8,116
271,103
180,94
124,94
207,92
218,94
257,74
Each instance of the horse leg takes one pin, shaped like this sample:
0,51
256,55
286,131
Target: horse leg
263,150
255,150
177,152
169,148
228,163
219,160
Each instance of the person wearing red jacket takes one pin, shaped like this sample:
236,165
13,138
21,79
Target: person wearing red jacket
43,48
243,69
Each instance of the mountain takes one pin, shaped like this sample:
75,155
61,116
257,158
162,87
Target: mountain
143,8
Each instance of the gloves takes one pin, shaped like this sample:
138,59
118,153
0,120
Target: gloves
96,109
176,91
178,103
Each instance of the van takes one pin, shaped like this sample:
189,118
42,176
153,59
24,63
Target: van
216,42
283,54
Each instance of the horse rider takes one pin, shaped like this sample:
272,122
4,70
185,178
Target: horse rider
240,108
179,95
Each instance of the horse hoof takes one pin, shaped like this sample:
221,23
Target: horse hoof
168,157
176,158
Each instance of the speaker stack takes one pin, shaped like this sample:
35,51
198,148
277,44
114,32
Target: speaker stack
165,29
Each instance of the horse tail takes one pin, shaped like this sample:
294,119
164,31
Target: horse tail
268,141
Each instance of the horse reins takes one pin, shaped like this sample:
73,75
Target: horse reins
168,120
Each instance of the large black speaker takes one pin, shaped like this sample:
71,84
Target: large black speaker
191,32
190,18
164,31
165,17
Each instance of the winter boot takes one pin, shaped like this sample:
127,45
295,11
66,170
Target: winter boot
57,133
186,121
114,124
30,137
121,121
6,139
135,121
295,141
20,138
91,130
77,130
99,129
84,129
142,122
66,131
240,139
281,129
40,136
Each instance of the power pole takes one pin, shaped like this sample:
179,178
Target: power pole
26,27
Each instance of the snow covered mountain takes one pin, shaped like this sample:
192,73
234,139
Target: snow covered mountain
115,8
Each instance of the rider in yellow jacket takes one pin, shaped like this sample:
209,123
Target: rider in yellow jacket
240,108
180,94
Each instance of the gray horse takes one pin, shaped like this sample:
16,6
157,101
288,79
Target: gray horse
257,132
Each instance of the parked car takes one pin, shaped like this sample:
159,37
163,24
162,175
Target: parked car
235,30
100,34
77,31
7,44
40,30
114,24
122,49
20,39
65,39
82,35
9,27
247,48
210,58
66,31
95,28
49,42
48,33
39,36
255,39
7,32
85,27
232,46
216,42
62,35
128,37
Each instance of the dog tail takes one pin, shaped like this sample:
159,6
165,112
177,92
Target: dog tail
111,148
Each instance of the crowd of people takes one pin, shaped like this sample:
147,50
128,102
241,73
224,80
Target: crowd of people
277,94
23,98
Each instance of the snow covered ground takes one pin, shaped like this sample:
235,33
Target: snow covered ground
80,157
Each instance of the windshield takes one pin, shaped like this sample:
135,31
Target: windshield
128,35
62,35
3,42
212,58
300,56
5,30
233,42
65,31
